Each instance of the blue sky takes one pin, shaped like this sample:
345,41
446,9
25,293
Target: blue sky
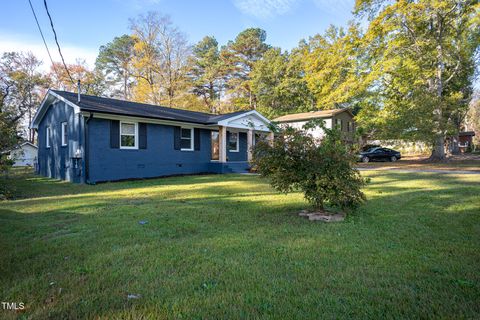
82,26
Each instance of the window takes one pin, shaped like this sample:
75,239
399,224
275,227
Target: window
64,134
186,139
233,142
338,123
128,135
349,126
47,137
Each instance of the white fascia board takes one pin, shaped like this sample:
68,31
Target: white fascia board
252,112
75,107
229,122
146,120
50,98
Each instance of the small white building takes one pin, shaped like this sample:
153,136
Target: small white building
24,154
342,118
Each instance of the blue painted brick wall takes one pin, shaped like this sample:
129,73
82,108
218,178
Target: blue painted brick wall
56,161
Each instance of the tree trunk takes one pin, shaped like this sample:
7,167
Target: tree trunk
438,151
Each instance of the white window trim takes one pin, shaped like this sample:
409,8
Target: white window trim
64,130
238,142
47,137
135,147
192,144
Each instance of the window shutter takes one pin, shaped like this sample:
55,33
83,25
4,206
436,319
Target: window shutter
142,135
176,138
114,134
196,138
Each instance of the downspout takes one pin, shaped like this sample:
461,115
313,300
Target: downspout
86,147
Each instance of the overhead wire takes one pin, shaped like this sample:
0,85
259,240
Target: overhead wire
56,41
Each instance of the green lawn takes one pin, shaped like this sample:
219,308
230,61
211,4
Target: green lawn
228,247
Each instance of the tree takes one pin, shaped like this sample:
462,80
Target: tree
160,63
92,81
278,83
422,58
333,67
115,61
206,72
472,121
240,56
322,171
22,86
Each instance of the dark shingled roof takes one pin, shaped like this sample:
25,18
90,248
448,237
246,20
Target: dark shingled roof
134,109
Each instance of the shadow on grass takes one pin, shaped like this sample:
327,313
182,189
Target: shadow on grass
212,242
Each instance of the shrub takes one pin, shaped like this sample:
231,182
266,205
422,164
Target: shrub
323,171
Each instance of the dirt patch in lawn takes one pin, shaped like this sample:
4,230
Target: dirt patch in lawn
322,216
463,162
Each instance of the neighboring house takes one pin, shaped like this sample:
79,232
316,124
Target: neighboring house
465,141
23,155
90,139
342,118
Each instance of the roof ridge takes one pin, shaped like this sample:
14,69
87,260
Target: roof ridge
141,103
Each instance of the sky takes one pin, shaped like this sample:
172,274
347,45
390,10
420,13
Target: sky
83,26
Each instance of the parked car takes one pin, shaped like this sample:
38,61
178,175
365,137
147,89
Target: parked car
379,154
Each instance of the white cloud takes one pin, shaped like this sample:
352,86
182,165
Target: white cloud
264,9
335,6
10,42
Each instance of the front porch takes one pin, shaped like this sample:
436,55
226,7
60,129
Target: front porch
233,142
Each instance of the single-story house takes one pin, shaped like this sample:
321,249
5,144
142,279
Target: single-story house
89,139
342,118
24,154
465,140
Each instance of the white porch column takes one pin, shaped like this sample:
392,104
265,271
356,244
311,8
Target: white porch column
270,138
222,144
249,144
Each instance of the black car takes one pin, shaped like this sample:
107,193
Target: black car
379,154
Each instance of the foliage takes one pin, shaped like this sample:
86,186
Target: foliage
21,88
420,67
473,119
240,56
334,67
206,72
278,84
323,171
8,139
115,62
92,81
160,59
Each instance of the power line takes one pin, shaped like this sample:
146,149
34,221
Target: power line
56,41
43,38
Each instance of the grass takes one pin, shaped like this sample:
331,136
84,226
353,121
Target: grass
229,247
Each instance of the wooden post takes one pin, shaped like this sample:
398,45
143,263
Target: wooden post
249,144
222,144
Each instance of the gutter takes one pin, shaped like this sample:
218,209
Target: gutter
86,147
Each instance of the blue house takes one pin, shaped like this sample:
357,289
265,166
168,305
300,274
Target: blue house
89,139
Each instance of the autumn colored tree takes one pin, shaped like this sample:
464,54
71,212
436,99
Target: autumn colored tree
22,86
333,67
421,66
160,59
92,81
